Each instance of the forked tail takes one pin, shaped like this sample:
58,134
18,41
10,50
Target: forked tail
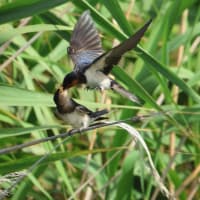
118,88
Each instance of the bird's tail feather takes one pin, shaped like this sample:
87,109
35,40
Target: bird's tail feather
97,115
131,42
118,88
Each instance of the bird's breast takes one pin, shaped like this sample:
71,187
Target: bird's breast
97,79
75,119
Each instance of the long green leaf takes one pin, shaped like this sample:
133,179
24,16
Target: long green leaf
116,11
8,33
168,74
16,96
24,163
134,86
20,8
11,132
13,96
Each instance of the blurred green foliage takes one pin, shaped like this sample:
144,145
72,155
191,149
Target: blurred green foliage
163,71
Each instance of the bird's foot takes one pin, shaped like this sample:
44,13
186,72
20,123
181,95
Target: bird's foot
87,88
95,88
99,88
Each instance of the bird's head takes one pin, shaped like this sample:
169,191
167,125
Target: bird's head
70,80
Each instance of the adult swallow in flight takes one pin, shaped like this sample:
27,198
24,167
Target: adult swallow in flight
76,115
92,65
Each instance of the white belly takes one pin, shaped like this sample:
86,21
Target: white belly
75,119
96,79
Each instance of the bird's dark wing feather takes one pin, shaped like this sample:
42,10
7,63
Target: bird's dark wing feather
82,109
99,113
93,115
85,43
106,61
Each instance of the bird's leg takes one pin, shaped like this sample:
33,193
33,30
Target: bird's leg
88,88
100,88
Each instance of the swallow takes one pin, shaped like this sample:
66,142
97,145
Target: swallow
91,64
74,114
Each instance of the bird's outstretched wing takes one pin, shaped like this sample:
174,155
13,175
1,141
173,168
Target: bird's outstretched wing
85,43
106,61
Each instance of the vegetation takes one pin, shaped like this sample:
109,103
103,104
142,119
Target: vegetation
163,71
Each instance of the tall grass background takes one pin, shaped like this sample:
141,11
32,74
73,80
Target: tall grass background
163,71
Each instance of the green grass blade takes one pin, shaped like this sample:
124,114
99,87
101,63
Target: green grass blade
20,97
168,74
20,8
6,34
116,11
12,132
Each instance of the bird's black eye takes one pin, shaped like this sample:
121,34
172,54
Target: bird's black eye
70,50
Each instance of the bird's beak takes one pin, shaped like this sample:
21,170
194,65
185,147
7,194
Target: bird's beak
70,80
73,83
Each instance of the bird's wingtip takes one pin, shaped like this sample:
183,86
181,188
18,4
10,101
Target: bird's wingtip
86,12
148,22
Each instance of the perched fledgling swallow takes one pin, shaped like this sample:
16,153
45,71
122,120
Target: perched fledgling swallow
74,114
92,65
